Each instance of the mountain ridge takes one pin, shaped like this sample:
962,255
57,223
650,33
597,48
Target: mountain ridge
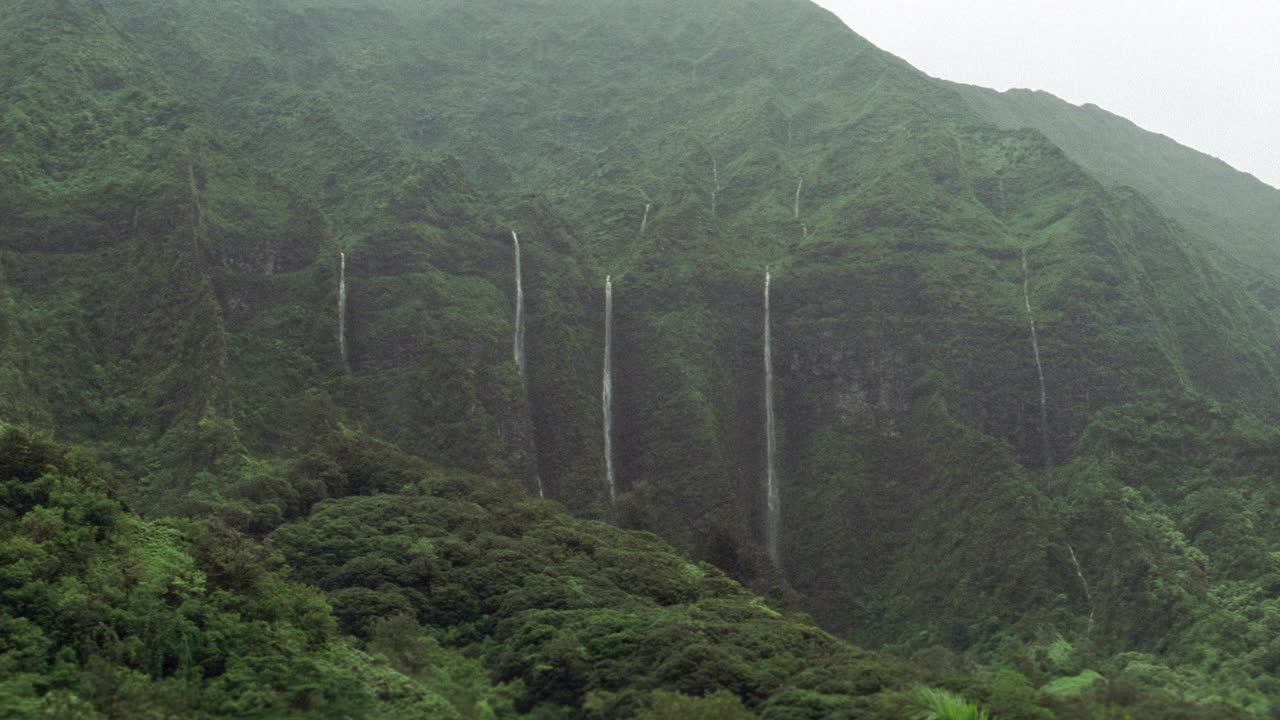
1188,185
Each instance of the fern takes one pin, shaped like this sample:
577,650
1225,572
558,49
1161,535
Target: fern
935,704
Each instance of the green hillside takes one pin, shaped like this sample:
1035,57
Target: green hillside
259,258
1228,207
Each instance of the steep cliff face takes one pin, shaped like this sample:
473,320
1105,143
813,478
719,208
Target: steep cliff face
175,306
107,240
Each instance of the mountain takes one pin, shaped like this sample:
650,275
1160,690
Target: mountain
262,258
1221,204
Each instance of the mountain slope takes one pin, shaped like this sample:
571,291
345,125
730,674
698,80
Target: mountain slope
424,593
1233,209
959,311
112,320
203,621
167,300
912,218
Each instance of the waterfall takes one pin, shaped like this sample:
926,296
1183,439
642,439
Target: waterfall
1083,583
518,343
607,394
773,520
1046,449
644,222
342,306
519,337
796,208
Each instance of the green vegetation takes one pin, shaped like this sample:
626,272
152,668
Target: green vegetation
108,615
453,597
234,521
1225,206
941,705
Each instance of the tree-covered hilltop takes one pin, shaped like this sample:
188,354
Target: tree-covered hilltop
260,258
431,593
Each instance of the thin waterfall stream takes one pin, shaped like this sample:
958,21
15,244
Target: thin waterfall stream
1085,584
773,519
606,398
342,306
1046,449
518,342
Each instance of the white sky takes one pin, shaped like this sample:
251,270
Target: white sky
1205,74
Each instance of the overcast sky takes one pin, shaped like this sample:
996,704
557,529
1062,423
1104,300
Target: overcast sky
1206,74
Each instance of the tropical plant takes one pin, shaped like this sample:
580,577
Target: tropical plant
935,704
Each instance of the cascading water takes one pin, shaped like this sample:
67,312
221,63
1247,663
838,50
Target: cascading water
773,520
644,222
519,337
607,394
518,342
342,306
1085,584
1045,448
796,208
